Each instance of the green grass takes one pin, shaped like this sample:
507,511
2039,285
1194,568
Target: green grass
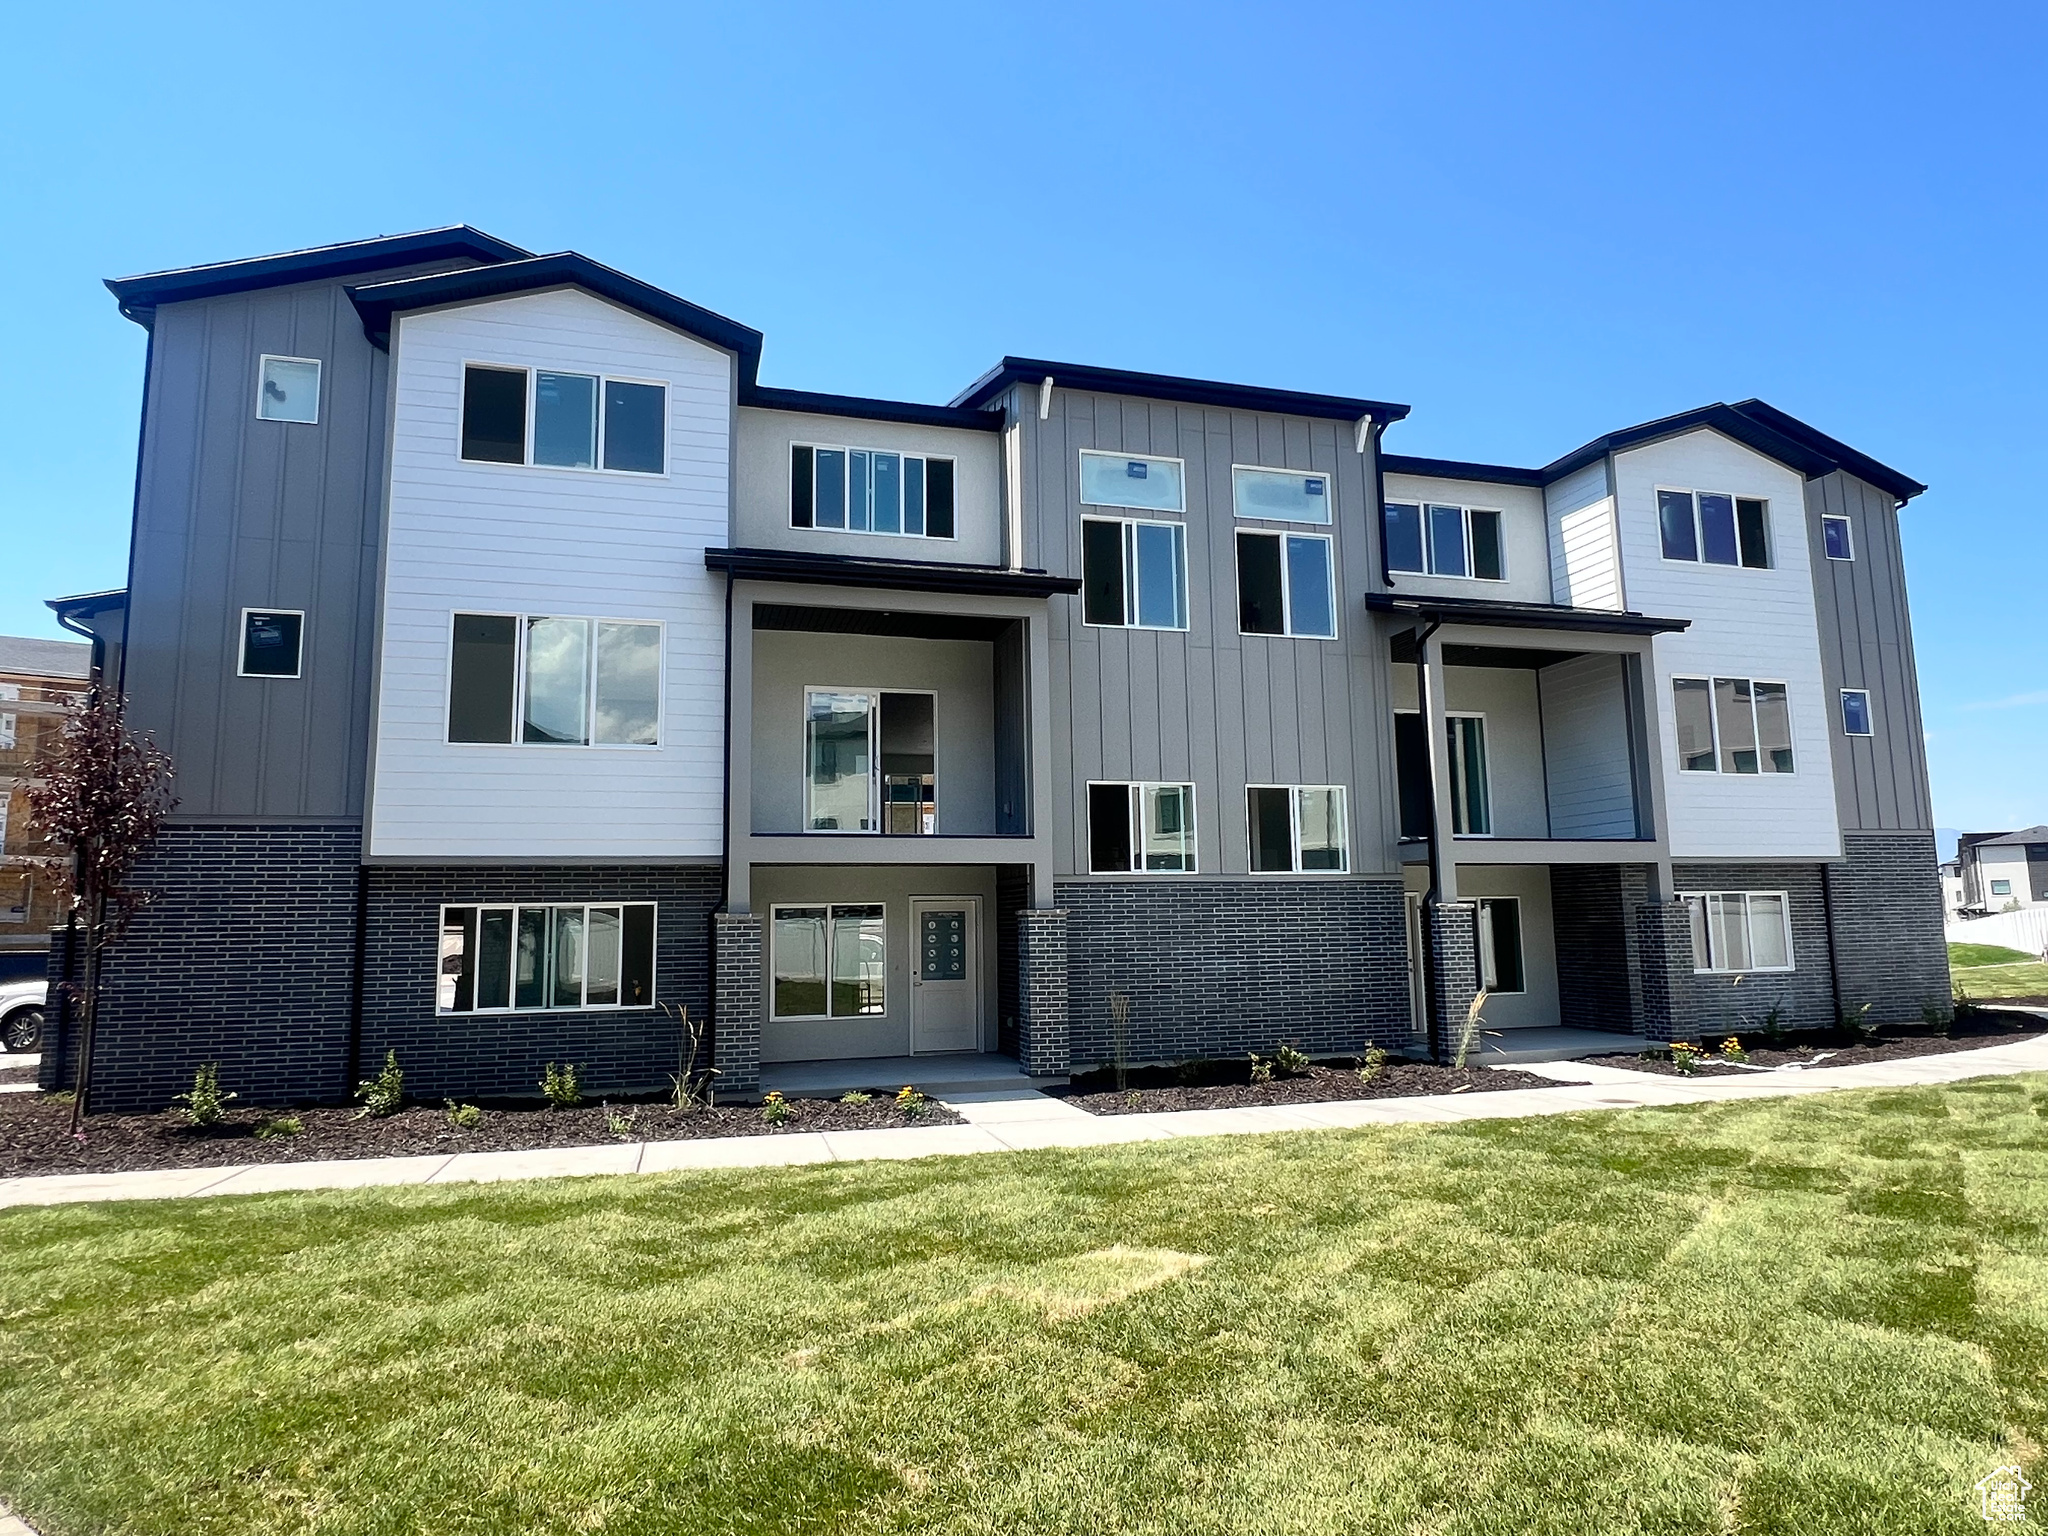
1804,1316
1963,955
2007,973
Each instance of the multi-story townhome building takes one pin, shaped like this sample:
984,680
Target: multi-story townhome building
39,679
533,670
2003,871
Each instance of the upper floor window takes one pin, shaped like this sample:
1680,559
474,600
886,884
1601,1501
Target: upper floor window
507,959
1133,480
271,642
1740,931
1835,538
1856,712
1134,574
871,761
288,389
1284,495
870,490
1714,527
1284,585
1471,775
1297,828
1732,725
1437,539
1141,828
547,681
563,420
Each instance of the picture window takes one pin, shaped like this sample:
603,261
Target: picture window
288,389
543,680
1714,528
558,420
518,958
272,642
1297,828
829,962
870,490
1141,828
1439,539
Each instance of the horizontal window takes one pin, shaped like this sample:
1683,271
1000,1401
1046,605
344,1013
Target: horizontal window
1284,495
288,389
1856,712
1437,539
1714,527
870,490
1500,944
829,962
515,958
1284,585
1732,725
2001,887
543,680
272,642
1132,480
1134,574
1141,828
1297,828
1740,931
1835,538
563,420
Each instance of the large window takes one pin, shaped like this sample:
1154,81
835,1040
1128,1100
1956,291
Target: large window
1134,574
288,389
1133,480
1282,495
509,959
1500,944
829,962
1141,828
870,490
1297,828
272,641
542,680
1714,527
1437,539
1285,585
1732,725
1740,931
870,761
563,420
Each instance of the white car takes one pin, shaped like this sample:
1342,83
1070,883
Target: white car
21,1013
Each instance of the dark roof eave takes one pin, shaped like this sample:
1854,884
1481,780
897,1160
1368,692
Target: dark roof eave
900,575
1162,386
1458,469
1502,615
909,412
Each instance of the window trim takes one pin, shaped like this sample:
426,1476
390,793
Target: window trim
242,647
828,1016
1784,908
1422,504
1699,537
1848,536
1135,827
874,767
1130,573
515,907
319,389
1869,717
1329,495
1714,716
532,372
814,526
1283,534
519,685
1296,872
1151,513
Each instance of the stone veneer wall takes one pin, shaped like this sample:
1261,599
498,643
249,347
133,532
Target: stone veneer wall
1885,914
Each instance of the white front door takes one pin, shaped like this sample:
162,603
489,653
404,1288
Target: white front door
945,978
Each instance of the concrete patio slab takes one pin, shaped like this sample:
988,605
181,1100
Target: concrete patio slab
1010,1106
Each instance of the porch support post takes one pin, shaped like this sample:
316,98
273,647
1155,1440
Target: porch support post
1043,1036
1429,684
1451,952
736,1003
1664,943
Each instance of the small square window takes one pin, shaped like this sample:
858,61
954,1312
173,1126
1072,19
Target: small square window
1835,538
1856,712
289,390
270,642
2001,887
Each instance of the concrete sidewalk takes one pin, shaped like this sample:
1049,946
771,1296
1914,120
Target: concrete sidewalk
1022,1119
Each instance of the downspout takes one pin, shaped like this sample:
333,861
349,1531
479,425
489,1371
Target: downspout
1433,897
725,774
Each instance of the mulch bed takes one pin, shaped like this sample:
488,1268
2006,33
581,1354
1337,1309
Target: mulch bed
10,1073
1977,1031
34,1135
1228,1085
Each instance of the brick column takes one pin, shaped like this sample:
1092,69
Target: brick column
736,1003
1042,1034
1664,943
1451,934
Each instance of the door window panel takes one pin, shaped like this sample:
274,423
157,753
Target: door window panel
1471,801
942,946
1500,944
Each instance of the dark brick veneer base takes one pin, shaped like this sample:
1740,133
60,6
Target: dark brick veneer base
1715,1006
1884,910
1221,967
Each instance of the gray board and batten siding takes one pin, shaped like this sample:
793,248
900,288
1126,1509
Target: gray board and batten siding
233,512
1208,705
1866,641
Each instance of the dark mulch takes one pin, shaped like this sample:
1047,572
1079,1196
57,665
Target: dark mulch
11,1073
1975,1031
1228,1085
34,1139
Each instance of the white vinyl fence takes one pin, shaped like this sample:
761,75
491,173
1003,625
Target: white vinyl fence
2026,929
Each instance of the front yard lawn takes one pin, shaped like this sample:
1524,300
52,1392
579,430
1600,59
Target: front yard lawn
1826,1314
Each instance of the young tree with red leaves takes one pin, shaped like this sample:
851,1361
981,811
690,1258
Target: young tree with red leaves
103,794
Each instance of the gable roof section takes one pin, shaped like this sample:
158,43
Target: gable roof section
2037,834
1861,465
139,296
1162,386
26,655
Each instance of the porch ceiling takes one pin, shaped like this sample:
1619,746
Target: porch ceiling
1485,613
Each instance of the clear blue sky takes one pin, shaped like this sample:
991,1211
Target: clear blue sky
1535,223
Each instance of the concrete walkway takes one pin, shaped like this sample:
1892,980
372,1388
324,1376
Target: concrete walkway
1020,1119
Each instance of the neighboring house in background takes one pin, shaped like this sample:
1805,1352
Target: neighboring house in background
2003,871
38,680
550,667
1953,898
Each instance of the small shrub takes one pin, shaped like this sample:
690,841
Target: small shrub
619,1122
1187,1073
1774,1031
464,1117
1371,1064
1262,1069
561,1086
1289,1062
1731,1049
1858,1026
1686,1057
911,1104
383,1094
777,1110
856,1098
282,1125
1133,1098
205,1104
1935,1016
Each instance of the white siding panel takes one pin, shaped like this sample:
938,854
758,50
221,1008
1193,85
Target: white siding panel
503,538
1585,564
1586,748
1745,623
